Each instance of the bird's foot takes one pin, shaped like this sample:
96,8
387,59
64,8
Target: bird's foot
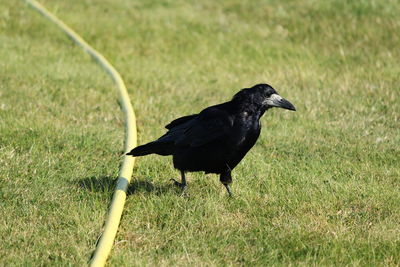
228,188
183,186
178,184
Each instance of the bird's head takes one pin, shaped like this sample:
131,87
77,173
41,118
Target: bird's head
263,96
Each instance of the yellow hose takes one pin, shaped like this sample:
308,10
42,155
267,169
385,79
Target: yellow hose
111,225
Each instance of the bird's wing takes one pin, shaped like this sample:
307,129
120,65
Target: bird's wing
210,125
179,121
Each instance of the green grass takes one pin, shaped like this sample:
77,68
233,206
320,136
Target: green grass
321,186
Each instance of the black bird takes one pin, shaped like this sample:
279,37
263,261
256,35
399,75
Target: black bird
216,139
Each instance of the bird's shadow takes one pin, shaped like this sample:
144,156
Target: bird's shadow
105,184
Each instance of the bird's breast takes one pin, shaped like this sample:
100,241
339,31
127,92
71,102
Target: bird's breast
246,132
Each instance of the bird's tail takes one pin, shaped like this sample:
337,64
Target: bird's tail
155,147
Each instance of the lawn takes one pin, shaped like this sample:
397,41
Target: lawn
320,187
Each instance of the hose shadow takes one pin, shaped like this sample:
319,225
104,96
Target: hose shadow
105,184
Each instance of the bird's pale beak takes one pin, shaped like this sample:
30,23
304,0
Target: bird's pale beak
276,100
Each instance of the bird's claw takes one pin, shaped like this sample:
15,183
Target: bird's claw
178,184
182,186
228,188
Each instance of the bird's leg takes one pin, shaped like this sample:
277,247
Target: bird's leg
226,180
182,184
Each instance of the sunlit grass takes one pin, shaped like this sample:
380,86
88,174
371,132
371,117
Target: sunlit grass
321,186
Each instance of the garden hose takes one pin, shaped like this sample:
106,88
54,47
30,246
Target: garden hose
105,242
